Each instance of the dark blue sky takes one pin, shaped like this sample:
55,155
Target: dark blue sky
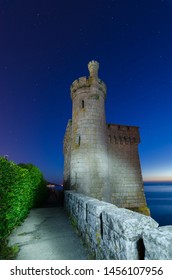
46,44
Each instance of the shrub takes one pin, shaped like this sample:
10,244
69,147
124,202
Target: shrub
15,195
21,188
38,184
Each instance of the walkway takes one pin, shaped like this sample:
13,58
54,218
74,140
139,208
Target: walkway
47,234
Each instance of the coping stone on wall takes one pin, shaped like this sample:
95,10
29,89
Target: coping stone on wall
68,196
128,223
94,225
82,202
122,233
96,207
76,204
94,211
158,243
117,233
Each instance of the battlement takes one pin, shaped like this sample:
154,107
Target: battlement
93,67
123,134
86,83
101,160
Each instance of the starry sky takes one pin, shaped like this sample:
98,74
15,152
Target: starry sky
46,44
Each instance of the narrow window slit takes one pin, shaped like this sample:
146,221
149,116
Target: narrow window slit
101,225
78,140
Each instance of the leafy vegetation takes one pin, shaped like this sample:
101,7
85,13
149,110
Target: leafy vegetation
22,187
39,190
6,252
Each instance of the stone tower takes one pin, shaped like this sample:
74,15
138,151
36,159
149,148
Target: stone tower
88,159
101,160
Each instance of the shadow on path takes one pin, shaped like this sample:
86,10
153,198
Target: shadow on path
55,199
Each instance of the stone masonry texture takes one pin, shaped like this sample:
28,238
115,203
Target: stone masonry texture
113,233
101,160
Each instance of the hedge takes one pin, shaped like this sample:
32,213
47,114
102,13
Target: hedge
21,188
38,184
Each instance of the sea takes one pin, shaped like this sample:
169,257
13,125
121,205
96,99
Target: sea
158,198
159,201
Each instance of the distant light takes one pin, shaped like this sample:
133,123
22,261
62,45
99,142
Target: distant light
50,186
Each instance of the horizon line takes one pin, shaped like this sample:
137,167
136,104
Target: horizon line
158,180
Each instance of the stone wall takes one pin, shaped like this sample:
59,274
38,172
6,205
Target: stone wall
67,154
116,233
88,141
101,160
124,166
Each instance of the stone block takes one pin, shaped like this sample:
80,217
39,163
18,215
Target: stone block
128,223
122,232
94,211
158,243
68,200
116,247
79,209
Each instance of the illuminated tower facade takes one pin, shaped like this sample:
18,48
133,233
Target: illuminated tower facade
88,151
101,160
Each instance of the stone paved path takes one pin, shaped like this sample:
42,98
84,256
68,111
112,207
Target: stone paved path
47,234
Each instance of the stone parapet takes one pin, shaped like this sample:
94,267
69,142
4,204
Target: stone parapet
84,83
123,134
116,233
122,233
158,243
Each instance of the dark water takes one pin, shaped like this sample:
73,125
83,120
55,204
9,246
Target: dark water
159,200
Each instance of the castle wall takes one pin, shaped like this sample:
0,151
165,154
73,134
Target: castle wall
67,155
101,160
116,233
88,167
124,166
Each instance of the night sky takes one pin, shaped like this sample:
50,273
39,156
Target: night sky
46,44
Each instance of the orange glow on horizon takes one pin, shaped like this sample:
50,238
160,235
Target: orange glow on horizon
157,179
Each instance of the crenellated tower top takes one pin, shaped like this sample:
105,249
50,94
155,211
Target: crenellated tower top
93,67
84,83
